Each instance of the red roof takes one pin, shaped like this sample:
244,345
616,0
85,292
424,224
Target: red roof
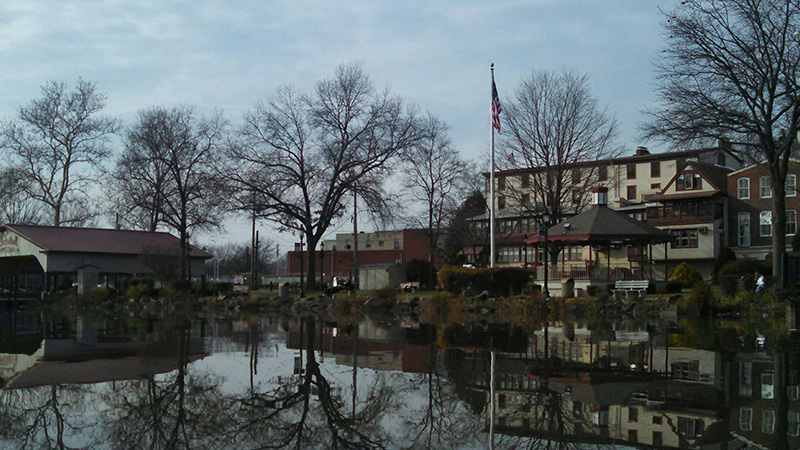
102,240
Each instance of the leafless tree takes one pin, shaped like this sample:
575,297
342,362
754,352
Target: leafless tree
436,177
54,140
141,178
15,204
554,122
235,258
465,231
172,153
731,70
299,158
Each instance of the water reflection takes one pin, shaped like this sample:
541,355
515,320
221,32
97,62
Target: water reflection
262,382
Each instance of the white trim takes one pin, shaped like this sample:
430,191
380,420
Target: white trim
760,187
793,187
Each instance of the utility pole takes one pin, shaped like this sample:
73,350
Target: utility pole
355,243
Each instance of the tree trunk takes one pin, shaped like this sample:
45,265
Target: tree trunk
778,221
184,255
311,281
57,215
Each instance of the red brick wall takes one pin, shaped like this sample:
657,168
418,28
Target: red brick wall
755,204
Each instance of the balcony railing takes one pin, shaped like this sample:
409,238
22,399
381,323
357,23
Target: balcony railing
595,271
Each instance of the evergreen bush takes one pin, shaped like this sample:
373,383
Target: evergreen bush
686,274
497,281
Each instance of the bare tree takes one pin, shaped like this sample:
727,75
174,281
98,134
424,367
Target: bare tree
234,258
730,70
554,122
15,205
436,178
54,140
298,158
465,231
189,197
141,177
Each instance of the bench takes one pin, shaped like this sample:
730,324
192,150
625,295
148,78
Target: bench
631,286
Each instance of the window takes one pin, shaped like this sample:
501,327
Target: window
744,229
501,202
631,193
765,224
633,436
793,392
655,186
655,169
380,243
685,238
576,176
743,185
507,226
745,379
767,420
745,418
602,173
794,423
765,189
526,199
508,255
688,181
633,414
689,371
656,420
572,253
791,185
689,427
791,222
631,171
525,181
397,241
501,183
658,439
348,244
576,196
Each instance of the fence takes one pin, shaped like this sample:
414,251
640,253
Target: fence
595,271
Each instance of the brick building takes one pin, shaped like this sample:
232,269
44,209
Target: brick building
379,247
750,210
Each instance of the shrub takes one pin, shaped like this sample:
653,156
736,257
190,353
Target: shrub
497,281
674,287
699,301
99,294
740,275
385,293
686,274
593,290
179,286
725,256
532,288
137,291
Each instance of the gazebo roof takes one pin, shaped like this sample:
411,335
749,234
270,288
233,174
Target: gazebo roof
603,225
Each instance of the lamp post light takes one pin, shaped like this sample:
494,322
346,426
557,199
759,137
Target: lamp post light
545,217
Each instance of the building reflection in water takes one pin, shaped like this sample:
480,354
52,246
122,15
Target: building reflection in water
128,383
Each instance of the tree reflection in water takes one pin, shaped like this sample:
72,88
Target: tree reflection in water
307,412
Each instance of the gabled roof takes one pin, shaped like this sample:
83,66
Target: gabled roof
715,176
743,169
101,240
602,224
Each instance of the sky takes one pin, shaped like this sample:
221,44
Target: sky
228,55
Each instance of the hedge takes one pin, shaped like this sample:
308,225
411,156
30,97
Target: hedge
497,281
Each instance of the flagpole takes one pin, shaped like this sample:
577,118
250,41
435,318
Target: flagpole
491,185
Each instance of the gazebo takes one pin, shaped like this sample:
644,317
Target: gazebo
603,229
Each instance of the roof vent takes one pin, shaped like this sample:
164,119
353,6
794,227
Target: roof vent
641,151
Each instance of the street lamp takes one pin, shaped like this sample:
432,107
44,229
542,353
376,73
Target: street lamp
545,222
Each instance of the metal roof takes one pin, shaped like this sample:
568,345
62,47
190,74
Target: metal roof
102,240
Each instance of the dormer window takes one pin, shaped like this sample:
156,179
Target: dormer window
688,182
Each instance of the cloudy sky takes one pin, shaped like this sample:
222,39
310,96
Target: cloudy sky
227,55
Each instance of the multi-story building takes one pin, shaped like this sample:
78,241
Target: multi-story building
681,191
378,247
750,210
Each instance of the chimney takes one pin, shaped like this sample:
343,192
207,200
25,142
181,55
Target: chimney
641,151
599,196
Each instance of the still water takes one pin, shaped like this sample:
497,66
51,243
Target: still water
255,382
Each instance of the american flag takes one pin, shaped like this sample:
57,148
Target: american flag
496,108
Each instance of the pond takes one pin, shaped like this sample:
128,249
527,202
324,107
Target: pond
247,381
